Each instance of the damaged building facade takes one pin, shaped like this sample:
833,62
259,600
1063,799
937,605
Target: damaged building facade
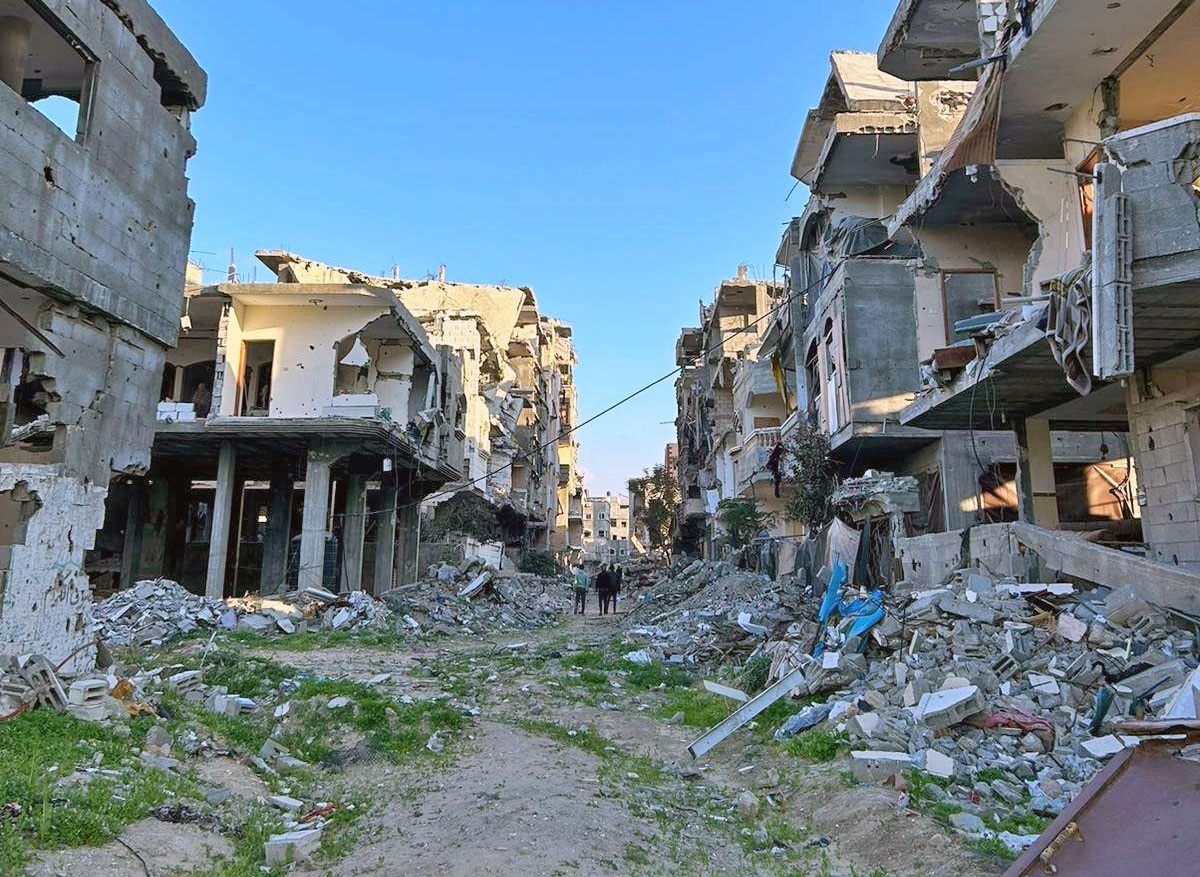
902,256
1084,144
307,426
730,409
607,537
95,223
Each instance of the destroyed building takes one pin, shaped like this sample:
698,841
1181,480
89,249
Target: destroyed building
300,424
95,223
388,395
1086,145
729,409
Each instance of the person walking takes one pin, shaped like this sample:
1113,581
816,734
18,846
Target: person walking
618,580
581,589
604,588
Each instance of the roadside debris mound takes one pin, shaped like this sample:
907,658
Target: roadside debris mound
477,598
154,611
709,611
991,699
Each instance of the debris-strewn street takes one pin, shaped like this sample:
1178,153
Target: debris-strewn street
540,752
850,534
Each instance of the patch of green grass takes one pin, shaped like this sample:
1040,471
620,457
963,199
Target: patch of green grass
593,680
654,674
244,675
1020,823
588,741
918,788
816,745
590,659
313,640
755,673
994,847
635,855
260,822
42,746
700,709
780,833
398,731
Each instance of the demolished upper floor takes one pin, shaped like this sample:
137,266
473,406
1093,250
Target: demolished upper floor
95,99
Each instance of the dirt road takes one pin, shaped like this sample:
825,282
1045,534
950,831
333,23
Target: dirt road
572,769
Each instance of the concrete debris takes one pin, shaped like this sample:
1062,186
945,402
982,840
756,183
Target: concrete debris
1008,693
450,600
154,611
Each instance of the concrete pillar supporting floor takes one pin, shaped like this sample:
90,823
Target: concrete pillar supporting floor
1037,495
315,522
135,517
385,536
354,527
222,515
273,577
406,540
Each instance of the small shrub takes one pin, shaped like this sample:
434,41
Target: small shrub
755,674
540,563
816,745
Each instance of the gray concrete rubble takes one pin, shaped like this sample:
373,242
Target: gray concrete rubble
474,599
997,697
451,600
154,611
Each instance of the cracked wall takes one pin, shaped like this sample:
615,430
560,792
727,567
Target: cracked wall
99,416
94,233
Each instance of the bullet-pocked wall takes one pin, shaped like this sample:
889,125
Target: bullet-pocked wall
95,224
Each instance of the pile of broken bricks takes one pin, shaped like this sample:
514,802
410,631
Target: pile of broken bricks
154,611
1010,694
475,598
707,611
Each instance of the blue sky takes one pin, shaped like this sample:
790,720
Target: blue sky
621,158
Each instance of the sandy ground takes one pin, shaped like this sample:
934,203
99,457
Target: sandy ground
517,801
520,803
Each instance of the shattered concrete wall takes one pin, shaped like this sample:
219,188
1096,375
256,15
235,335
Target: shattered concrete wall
94,233
1164,420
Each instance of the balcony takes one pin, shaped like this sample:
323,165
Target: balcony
750,465
693,507
1144,286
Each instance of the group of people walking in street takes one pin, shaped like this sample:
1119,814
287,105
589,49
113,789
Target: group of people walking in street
607,582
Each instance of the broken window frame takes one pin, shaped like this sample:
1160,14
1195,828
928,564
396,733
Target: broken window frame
1087,208
85,99
947,324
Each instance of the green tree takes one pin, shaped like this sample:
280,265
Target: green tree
811,477
742,520
655,499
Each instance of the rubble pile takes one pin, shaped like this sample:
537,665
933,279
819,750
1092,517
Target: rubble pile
477,598
710,611
1010,694
153,611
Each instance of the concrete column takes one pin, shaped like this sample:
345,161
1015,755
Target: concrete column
178,493
135,518
14,50
407,515
315,523
222,515
278,536
1037,497
385,536
354,526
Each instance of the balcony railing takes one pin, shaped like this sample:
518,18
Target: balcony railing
751,464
